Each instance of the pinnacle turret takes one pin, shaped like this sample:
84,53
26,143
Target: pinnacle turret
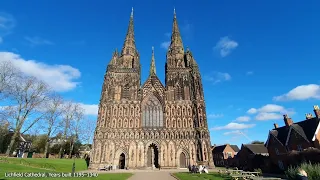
129,46
153,64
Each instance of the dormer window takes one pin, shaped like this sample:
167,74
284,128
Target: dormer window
299,147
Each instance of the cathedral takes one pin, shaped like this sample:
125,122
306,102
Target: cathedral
152,125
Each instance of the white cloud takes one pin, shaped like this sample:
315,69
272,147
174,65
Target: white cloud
59,77
225,45
217,77
252,111
165,45
214,116
249,73
236,132
234,126
268,116
35,41
270,112
303,92
90,109
243,119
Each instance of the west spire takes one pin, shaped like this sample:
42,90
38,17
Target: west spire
176,41
129,46
153,64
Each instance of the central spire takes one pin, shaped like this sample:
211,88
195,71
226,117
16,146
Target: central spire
153,64
129,46
176,41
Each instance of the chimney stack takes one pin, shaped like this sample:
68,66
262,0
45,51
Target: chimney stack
276,125
316,111
309,116
287,120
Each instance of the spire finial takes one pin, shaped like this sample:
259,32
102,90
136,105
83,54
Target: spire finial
153,64
174,11
132,12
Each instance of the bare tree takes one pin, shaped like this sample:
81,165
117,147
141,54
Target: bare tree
76,126
87,130
8,73
69,113
26,95
53,111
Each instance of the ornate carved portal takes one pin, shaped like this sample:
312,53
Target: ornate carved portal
122,161
183,160
153,156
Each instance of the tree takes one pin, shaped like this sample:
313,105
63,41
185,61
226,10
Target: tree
69,113
88,128
53,111
76,126
257,142
26,94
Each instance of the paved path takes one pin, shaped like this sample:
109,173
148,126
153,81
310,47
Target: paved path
155,175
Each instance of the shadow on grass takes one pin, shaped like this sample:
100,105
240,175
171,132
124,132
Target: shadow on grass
209,176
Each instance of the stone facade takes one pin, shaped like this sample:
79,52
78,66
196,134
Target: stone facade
152,125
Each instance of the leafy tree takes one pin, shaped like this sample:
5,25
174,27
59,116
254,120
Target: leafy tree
257,142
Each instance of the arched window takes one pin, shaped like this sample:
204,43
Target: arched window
152,113
125,94
178,94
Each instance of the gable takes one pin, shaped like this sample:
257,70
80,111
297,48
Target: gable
296,133
153,85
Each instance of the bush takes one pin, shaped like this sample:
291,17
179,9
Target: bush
313,171
258,170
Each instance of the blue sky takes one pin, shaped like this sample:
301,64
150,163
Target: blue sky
252,54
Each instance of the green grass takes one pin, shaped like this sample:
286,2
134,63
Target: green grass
52,165
203,176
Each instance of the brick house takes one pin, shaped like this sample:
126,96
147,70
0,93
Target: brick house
223,154
293,136
248,153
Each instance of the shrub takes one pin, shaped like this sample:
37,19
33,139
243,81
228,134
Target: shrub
313,171
258,170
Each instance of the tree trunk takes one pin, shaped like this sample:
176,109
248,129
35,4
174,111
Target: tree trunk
61,149
46,150
12,141
71,149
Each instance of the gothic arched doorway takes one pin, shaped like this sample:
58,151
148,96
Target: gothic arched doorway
183,160
122,161
153,156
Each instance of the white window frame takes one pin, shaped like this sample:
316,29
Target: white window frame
299,147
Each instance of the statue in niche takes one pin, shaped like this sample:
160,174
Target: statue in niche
140,155
132,155
171,154
164,154
192,153
110,157
179,63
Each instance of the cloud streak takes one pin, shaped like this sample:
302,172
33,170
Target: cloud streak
36,41
299,93
217,77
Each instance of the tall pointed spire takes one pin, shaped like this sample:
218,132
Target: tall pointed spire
129,46
176,41
153,64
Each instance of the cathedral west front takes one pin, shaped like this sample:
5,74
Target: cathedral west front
152,124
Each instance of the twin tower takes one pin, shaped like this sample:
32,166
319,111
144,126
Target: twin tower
152,125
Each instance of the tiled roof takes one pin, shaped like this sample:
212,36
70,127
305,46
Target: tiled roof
306,129
257,148
218,149
235,148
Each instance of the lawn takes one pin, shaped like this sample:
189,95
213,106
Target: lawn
209,176
56,166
